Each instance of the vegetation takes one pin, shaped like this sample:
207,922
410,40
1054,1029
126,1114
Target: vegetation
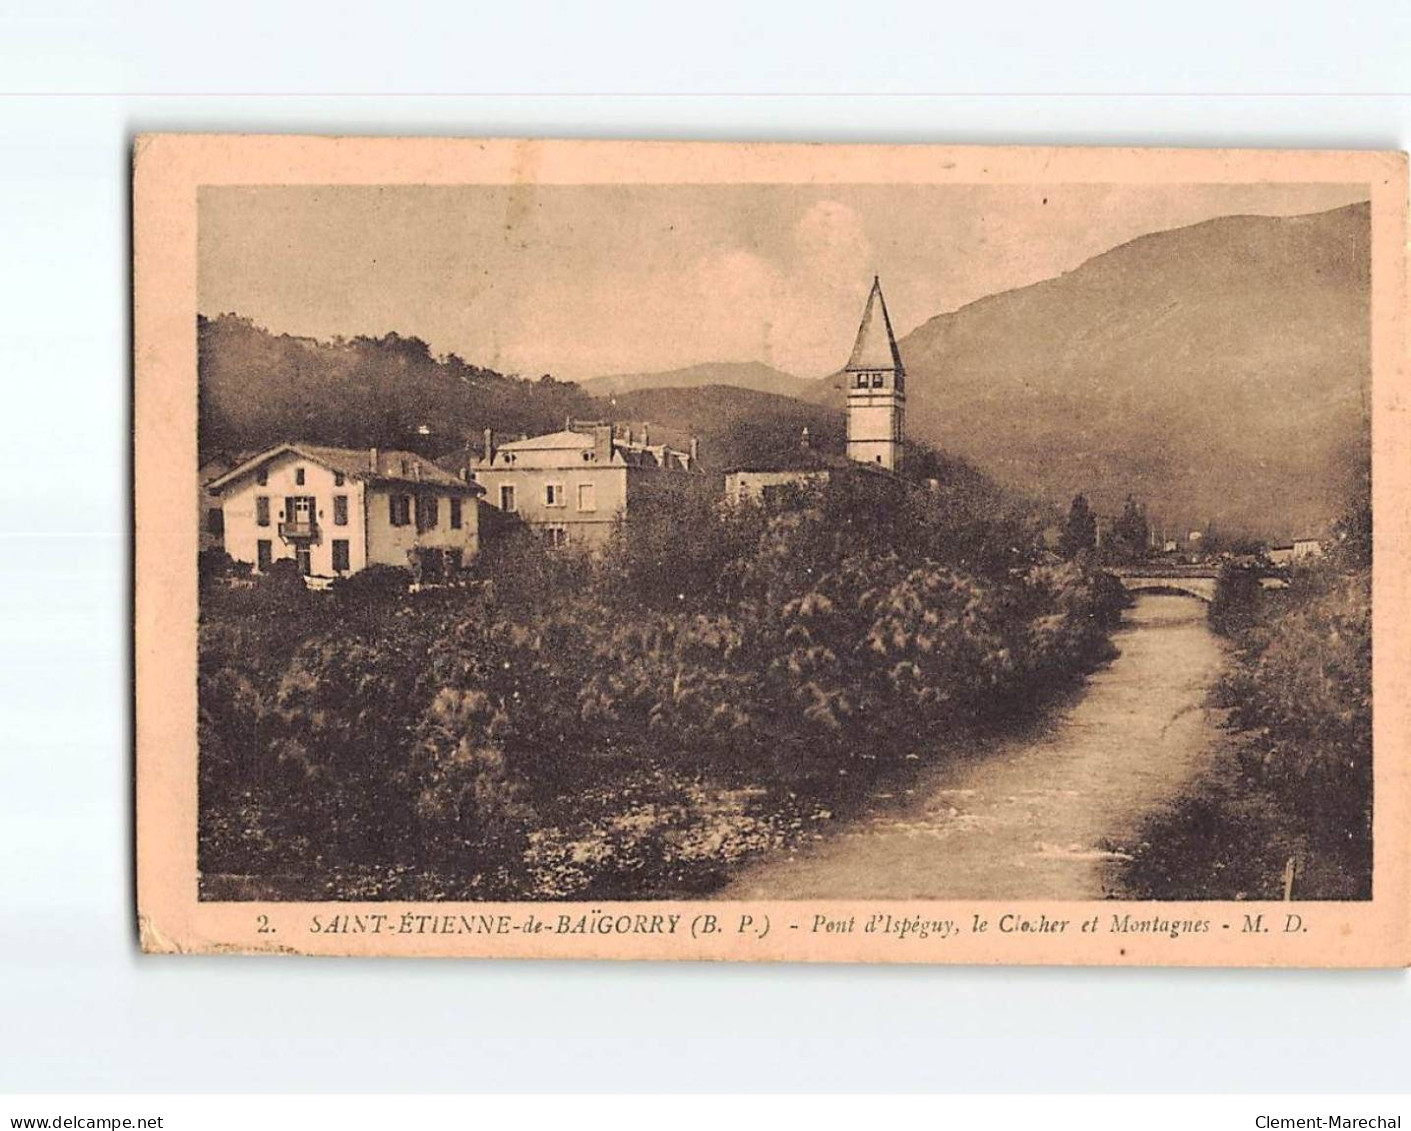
258,389
1079,533
1129,538
713,685
1296,782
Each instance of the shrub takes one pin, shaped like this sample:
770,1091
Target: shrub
213,564
1235,607
797,651
376,582
1300,687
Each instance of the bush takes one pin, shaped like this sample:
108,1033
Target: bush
1235,607
214,564
1301,689
479,734
376,582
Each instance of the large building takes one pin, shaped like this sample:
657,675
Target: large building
336,511
876,408
572,487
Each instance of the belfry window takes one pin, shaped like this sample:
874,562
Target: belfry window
876,380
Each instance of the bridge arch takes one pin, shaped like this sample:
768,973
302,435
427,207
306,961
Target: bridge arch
1198,588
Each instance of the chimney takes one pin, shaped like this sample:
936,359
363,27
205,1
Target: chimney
416,470
372,460
695,451
489,452
602,443
629,435
645,440
568,423
804,441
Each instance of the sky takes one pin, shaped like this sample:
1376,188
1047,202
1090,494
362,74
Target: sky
581,281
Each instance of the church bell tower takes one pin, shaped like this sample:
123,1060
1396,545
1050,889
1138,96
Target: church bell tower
876,385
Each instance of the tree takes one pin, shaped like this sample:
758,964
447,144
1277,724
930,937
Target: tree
1130,533
1080,531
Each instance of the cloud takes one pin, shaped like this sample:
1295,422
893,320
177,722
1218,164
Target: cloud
831,239
816,310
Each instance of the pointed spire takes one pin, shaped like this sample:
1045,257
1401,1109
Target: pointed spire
876,345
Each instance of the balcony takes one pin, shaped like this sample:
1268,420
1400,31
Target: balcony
299,531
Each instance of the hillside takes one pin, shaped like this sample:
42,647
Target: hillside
258,388
736,426
742,375
1219,371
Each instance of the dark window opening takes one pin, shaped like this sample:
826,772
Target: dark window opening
455,514
340,555
298,477
340,510
264,554
215,522
427,512
261,510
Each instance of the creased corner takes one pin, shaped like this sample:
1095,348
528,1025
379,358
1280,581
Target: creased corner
152,940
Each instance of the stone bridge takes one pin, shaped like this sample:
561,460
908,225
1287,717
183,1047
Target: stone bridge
1190,581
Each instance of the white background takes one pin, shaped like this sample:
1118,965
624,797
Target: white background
81,1010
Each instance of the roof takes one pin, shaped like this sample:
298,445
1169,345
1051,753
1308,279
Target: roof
630,454
553,441
357,463
218,464
807,463
876,346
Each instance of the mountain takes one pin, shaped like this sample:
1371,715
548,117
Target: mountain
1220,372
739,374
736,426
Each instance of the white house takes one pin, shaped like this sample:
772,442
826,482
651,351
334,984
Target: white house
336,511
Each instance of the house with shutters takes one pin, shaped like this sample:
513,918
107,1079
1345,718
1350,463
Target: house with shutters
572,487
335,511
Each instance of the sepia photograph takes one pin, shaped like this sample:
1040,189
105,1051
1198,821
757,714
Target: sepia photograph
748,541
853,566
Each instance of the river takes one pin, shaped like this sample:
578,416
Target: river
1050,814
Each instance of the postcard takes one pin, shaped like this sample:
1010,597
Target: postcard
771,552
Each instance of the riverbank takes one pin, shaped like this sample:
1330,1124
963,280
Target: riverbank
1233,839
1286,809
1058,811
